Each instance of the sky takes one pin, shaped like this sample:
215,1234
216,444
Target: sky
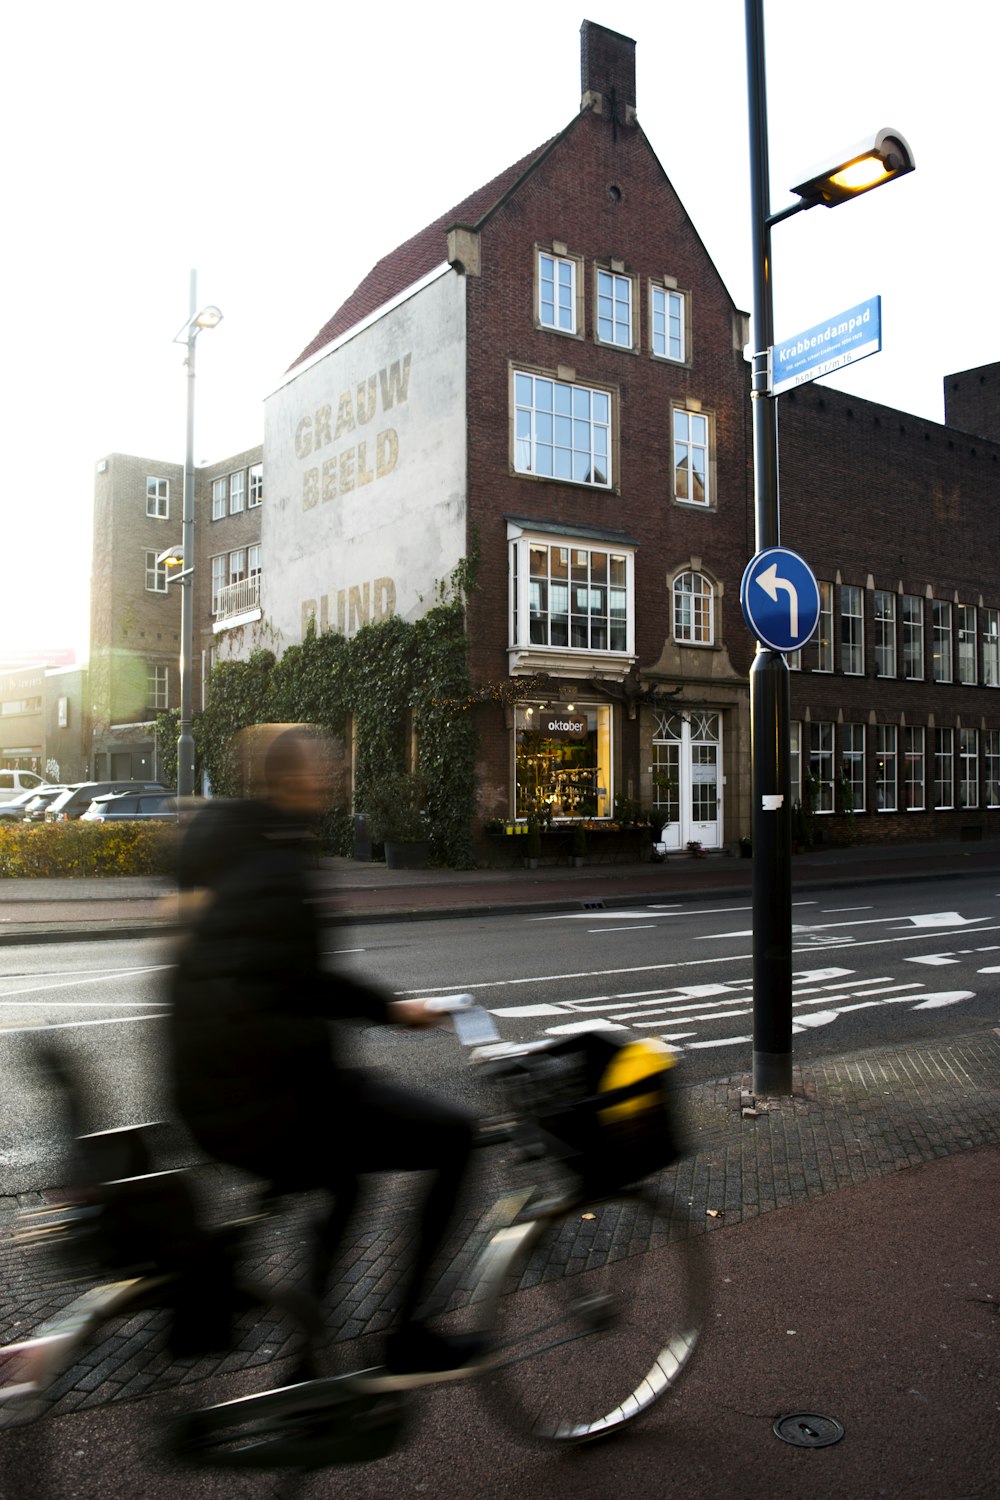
281,150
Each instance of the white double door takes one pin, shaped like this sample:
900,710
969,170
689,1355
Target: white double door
687,769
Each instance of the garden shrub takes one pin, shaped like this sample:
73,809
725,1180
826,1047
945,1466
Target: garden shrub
57,850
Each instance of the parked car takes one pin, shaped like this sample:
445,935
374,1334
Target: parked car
75,800
14,810
144,807
13,783
34,810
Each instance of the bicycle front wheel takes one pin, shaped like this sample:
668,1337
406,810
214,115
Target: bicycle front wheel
598,1316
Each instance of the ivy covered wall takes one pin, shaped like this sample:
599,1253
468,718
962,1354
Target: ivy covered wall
381,680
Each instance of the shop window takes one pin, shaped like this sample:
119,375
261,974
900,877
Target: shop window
563,761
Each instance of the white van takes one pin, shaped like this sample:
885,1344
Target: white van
14,782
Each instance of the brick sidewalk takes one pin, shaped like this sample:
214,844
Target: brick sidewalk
850,1120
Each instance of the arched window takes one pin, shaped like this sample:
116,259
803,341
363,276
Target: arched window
694,609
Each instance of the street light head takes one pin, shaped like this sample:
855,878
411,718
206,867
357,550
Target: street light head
171,557
209,317
871,163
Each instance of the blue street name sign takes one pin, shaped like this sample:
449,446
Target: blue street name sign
779,596
850,336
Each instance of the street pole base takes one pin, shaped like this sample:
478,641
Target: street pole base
772,1072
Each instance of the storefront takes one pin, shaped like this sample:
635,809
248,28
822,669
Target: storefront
563,765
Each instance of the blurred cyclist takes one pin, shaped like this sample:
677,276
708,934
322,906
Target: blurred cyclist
255,1068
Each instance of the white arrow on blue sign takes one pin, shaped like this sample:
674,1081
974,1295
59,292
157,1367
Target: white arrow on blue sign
780,599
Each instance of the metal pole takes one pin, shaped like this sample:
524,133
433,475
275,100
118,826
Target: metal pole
185,742
770,724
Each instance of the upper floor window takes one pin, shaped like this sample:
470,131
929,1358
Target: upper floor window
692,456
941,616
967,643
237,492
220,566
237,564
821,766
824,630
886,745
694,598
913,637
968,768
157,497
944,774
991,766
885,633
852,767
562,431
156,686
990,624
614,309
255,494
557,292
668,324
156,574
852,630
220,496
253,560
571,596
914,775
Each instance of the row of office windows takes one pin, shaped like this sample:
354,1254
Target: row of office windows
231,493
911,768
582,598
559,305
568,431
964,639
241,490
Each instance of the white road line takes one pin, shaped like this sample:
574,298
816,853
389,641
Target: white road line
642,927
69,1025
933,959
70,984
75,1004
520,1011
829,911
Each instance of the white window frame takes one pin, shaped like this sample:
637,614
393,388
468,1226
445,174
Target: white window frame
821,754
614,309
220,497
237,492
540,428
914,755
668,320
942,660
989,624
693,609
968,768
886,768
852,761
157,686
795,761
525,621
824,630
913,637
156,573
219,566
944,768
562,273
237,565
253,559
852,630
884,614
692,440
991,766
255,485
157,498
966,632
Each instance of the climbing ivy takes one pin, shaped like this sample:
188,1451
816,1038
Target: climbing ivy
387,675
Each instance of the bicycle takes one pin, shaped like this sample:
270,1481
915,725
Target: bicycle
560,1284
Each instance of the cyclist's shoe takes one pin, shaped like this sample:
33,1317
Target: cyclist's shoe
417,1355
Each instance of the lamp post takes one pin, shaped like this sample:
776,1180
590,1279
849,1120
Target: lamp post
867,166
208,317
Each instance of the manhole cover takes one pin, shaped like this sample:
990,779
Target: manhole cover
807,1429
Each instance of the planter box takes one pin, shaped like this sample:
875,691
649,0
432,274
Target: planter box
407,856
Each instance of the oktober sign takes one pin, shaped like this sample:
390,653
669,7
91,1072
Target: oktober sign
556,726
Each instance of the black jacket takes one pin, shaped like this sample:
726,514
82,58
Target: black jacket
252,1050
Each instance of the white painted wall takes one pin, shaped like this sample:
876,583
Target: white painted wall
365,471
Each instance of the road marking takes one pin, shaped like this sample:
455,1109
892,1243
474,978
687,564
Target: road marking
946,997
69,1025
933,959
829,911
573,1027
643,927
75,1004
69,984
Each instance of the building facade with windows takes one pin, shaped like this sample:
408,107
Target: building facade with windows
135,615
550,376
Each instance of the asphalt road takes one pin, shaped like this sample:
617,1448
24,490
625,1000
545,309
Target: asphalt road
880,963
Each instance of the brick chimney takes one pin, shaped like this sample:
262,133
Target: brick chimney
607,73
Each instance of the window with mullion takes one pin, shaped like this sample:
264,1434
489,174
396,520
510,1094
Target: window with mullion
991,766
220,567
256,486
577,596
968,768
990,624
824,630
914,773
852,760
941,641
667,330
220,497
852,630
944,768
237,491
562,431
885,633
557,292
821,765
691,456
693,609
156,574
966,622
157,497
913,637
886,742
614,309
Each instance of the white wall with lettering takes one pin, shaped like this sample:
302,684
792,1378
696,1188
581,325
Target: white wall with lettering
365,471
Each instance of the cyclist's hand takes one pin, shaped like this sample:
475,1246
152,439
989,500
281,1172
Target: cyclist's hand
413,1013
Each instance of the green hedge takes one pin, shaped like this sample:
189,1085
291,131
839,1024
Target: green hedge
61,849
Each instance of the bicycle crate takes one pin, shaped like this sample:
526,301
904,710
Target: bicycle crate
604,1106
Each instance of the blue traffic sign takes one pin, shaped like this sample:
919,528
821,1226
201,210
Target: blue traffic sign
780,599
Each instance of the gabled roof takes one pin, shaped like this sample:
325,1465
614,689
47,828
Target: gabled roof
417,256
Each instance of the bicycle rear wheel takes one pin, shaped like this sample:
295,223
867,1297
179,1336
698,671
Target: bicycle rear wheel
598,1316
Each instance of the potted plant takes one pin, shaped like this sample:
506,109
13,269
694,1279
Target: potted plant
532,845
578,847
397,818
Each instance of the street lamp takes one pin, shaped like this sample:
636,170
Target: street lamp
208,317
882,159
